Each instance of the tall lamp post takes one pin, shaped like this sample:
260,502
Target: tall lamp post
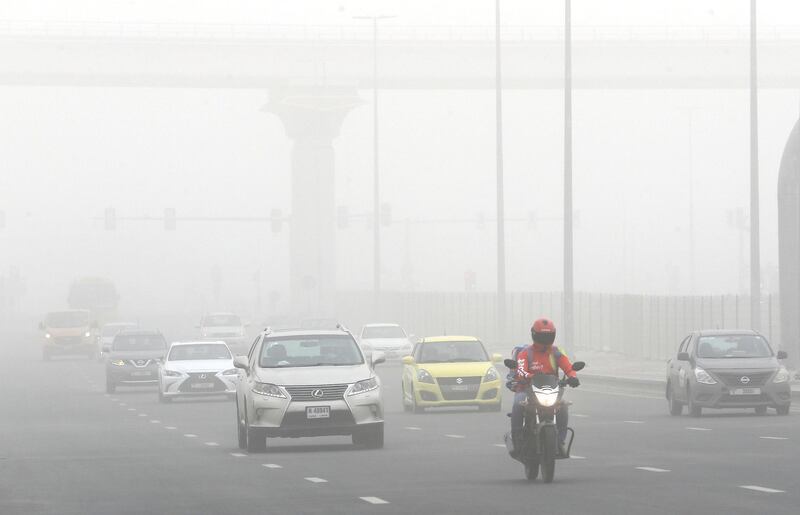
376,238
755,251
568,222
501,243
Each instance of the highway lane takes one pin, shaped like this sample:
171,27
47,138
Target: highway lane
69,448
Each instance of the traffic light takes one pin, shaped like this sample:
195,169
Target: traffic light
169,219
386,214
342,217
110,219
276,221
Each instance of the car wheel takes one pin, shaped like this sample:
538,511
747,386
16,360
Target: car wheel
694,409
110,386
241,430
783,410
414,407
256,438
371,438
675,407
406,406
761,410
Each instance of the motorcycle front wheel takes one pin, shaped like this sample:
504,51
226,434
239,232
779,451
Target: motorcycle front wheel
532,468
549,450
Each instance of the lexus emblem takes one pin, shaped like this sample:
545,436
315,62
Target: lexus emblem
140,362
318,393
459,380
744,379
203,376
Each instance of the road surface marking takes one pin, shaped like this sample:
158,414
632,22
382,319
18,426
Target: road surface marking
170,427
316,479
374,500
190,435
238,455
576,457
773,437
698,429
212,444
633,421
271,465
762,489
580,415
500,445
131,409
122,404
652,469
155,421
413,428
455,436
142,414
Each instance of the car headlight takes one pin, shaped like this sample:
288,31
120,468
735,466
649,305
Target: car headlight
47,335
423,376
367,385
491,375
703,377
268,389
546,399
230,372
118,362
87,334
782,376
171,373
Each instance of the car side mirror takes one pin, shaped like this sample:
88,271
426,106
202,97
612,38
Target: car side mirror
497,358
683,356
241,362
378,358
578,365
510,363
408,360
782,354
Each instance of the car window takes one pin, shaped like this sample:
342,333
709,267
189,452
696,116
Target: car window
684,343
137,342
733,346
310,351
452,352
252,348
387,331
199,352
221,321
61,319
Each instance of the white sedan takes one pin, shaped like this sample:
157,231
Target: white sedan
197,368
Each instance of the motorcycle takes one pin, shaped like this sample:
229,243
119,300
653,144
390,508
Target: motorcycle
538,442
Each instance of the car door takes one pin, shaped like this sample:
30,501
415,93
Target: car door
675,376
409,371
686,370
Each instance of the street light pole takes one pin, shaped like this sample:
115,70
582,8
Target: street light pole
568,222
376,190
501,244
755,251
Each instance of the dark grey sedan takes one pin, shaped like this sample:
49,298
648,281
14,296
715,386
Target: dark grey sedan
727,369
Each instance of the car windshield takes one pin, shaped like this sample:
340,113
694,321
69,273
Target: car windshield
733,346
383,331
221,321
198,352
113,329
136,342
63,319
452,352
310,351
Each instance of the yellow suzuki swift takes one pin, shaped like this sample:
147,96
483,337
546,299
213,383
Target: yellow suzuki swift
450,371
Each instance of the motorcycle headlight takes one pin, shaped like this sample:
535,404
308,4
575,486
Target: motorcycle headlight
703,377
268,389
230,372
423,376
47,335
87,334
782,376
491,375
172,373
546,399
118,362
367,385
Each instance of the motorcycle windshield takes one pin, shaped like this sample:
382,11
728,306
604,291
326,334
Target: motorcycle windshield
540,380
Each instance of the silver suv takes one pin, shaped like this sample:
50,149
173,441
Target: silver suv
308,383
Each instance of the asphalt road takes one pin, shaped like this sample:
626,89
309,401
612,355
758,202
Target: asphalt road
66,447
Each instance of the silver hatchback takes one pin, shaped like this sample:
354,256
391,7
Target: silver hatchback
727,369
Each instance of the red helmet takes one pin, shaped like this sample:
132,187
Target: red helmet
543,331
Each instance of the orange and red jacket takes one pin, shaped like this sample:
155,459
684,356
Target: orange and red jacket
542,359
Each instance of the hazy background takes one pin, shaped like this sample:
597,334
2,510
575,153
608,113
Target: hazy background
68,153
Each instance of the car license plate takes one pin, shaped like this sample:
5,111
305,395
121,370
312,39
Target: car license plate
141,373
202,386
746,391
318,412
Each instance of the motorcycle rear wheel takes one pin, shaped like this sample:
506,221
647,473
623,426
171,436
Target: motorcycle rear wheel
549,451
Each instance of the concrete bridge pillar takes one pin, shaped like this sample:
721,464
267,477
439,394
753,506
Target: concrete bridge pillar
312,117
789,245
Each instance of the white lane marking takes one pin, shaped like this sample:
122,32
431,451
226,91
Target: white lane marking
413,428
500,445
170,427
212,444
155,421
455,436
142,414
761,489
122,404
190,435
580,415
238,455
633,421
698,429
131,409
271,465
113,399
576,457
652,469
773,437
316,479
374,500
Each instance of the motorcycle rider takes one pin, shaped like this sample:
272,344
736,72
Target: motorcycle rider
541,357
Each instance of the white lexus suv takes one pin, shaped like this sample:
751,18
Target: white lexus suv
298,383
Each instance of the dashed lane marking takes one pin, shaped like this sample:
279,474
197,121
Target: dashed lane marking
374,500
171,428
131,409
315,479
122,404
190,435
499,445
576,457
212,444
652,469
413,428
238,455
633,421
142,414
580,415
761,489
271,465
155,421
455,436
698,429
773,437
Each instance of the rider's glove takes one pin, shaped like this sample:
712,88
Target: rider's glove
573,382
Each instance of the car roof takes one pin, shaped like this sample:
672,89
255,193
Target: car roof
141,332
199,342
69,311
126,324
454,338
388,324
727,332
220,313
270,333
